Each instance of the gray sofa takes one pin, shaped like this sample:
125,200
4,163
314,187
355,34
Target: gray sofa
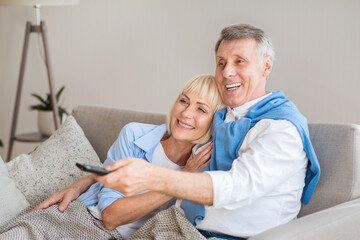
334,209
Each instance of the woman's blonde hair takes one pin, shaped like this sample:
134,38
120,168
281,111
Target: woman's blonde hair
203,86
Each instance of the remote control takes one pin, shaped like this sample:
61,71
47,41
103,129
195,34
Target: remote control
92,169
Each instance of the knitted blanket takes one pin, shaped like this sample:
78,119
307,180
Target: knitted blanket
74,223
168,224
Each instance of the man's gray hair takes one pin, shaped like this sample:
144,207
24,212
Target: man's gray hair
245,31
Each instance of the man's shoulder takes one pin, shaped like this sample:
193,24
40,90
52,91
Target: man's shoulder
274,124
272,128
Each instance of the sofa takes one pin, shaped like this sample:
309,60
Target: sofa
334,209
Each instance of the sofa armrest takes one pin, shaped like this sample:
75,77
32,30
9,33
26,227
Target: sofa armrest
339,222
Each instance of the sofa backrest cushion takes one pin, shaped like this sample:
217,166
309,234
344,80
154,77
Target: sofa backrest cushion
337,147
102,125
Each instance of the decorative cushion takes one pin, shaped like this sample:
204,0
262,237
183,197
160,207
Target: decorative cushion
12,201
51,166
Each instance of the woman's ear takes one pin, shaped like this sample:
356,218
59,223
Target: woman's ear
267,66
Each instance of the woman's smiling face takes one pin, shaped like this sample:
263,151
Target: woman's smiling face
191,118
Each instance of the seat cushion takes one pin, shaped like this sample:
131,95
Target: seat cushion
338,222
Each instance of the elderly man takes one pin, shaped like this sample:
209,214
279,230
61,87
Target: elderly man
262,164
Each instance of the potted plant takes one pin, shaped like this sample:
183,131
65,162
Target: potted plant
45,112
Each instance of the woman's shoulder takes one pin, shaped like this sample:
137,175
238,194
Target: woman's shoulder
136,129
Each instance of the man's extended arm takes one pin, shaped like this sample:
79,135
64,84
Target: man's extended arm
134,175
195,187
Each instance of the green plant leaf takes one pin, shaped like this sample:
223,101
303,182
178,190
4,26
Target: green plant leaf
59,93
62,111
39,98
38,107
48,98
48,102
46,105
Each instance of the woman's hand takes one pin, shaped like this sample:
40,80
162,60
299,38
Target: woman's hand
200,161
65,196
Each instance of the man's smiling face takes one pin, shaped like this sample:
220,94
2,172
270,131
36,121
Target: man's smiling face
240,72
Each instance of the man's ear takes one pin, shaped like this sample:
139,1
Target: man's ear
267,66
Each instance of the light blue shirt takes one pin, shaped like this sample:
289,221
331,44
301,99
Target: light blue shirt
136,140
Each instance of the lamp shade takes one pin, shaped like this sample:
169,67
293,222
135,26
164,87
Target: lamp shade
38,2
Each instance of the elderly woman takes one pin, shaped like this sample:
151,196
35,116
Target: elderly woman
169,145
181,144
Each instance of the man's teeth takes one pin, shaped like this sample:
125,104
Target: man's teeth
185,126
232,86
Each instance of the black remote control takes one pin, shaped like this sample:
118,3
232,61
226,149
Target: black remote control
92,169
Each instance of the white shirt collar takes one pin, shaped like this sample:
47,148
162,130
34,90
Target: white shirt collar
239,112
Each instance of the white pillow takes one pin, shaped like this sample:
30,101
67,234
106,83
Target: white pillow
51,166
12,201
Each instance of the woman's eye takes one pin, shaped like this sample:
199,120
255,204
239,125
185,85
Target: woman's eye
182,101
202,110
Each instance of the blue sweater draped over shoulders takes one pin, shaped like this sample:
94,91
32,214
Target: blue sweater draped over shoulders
228,138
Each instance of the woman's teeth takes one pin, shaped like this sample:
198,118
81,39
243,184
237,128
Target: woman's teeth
185,126
232,87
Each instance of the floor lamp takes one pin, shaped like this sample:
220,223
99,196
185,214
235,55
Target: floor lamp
40,28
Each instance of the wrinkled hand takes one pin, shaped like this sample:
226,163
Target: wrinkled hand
128,176
64,197
200,161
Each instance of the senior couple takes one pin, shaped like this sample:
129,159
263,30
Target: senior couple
238,170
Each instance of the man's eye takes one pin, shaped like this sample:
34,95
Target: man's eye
221,64
240,61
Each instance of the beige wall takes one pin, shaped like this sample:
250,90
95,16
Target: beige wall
136,54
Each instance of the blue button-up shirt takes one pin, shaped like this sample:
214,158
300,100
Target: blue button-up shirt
136,140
